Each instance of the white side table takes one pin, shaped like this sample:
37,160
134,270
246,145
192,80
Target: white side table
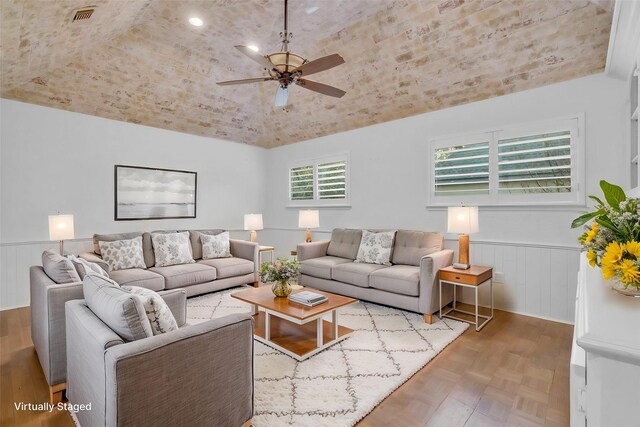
474,277
267,249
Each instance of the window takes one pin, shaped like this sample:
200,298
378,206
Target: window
538,163
322,181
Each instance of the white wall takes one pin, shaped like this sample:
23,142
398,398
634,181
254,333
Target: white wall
53,160
389,186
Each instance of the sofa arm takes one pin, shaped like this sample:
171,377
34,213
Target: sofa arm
48,322
176,299
209,366
312,249
91,257
247,250
429,267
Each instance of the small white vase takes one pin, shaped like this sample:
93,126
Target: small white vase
632,290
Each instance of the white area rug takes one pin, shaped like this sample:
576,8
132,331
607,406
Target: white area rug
342,384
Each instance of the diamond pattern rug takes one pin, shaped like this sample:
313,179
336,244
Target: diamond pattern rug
342,384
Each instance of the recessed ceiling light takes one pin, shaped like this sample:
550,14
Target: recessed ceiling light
196,22
311,9
253,47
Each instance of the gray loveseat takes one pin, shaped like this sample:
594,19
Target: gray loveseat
410,283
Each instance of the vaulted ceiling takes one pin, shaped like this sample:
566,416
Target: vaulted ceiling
140,61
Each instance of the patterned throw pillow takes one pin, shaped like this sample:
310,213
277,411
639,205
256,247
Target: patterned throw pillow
158,311
375,248
172,248
83,267
123,254
217,246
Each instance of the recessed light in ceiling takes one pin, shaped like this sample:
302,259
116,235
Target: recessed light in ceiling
312,9
253,47
196,22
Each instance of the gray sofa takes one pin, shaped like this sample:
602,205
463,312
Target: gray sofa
410,283
48,297
205,275
196,375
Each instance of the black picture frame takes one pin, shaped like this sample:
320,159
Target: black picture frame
138,193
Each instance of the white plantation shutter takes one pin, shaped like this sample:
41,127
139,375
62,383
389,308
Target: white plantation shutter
301,183
462,169
332,180
535,163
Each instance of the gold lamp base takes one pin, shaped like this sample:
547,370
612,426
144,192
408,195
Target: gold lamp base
307,236
254,236
463,253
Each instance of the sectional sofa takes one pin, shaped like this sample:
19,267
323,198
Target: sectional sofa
48,297
410,282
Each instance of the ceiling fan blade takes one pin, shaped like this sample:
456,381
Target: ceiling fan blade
320,64
321,88
256,57
243,81
282,95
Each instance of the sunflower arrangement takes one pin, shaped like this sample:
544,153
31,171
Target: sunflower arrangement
612,238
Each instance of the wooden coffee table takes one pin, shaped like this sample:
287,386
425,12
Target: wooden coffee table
295,329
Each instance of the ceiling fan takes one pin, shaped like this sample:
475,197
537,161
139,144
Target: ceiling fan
287,69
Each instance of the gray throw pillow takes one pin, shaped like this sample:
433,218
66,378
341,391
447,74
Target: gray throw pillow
83,267
120,310
158,312
58,268
375,248
123,254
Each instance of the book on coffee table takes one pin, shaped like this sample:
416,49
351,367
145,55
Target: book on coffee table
307,298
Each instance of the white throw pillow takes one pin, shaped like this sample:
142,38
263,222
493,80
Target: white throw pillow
158,312
215,246
375,248
123,254
83,267
172,248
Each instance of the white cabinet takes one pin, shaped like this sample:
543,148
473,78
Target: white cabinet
605,359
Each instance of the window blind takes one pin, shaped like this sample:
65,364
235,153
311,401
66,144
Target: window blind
535,164
332,180
301,183
462,169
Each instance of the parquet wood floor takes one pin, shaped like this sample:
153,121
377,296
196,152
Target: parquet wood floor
515,372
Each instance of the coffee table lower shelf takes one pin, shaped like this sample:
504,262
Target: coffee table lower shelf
299,341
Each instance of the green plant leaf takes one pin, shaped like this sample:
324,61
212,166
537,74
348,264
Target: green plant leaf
606,222
582,219
597,200
613,194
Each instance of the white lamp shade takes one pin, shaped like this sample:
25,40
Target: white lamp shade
253,222
309,219
463,220
61,227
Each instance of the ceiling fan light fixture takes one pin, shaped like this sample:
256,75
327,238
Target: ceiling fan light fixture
195,21
286,62
282,95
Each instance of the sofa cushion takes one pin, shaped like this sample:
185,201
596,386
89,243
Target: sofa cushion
58,268
177,276
147,248
138,277
229,267
355,273
215,246
344,243
196,243
158,312
120,310
375,247
411,246
398,279
172,248
321,266
123,254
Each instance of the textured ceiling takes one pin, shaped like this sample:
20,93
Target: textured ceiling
140,61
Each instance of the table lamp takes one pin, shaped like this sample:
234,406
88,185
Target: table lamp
61,228
253,222
308,219
464,221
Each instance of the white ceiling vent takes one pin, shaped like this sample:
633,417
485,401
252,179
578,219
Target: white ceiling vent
83,14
